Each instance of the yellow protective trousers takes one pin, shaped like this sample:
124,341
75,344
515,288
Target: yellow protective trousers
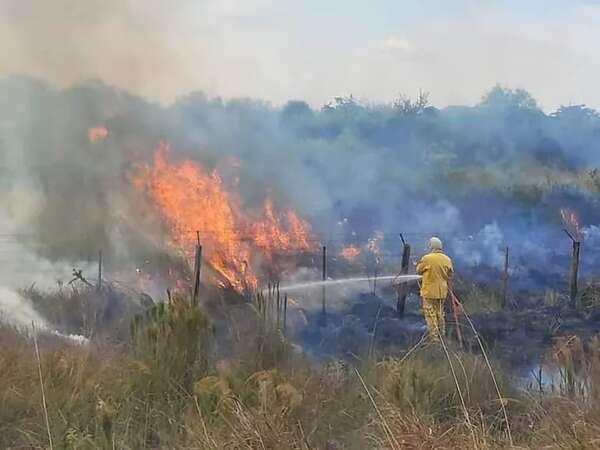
433,312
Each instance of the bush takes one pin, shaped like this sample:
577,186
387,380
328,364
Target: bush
423,384
172,341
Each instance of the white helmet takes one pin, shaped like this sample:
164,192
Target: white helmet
435,243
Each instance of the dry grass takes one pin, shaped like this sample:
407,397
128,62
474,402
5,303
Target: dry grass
165,387
81,309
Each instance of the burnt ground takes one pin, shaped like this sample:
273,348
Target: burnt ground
522,337
519,338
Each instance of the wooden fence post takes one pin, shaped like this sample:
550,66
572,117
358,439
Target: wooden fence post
197,267
285,303
574,271
323,288
505,280
99,285
574,266
402,288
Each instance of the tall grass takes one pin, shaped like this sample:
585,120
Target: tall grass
166,387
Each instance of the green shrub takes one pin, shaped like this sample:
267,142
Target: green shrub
172,341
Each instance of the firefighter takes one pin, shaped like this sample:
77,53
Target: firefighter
436,269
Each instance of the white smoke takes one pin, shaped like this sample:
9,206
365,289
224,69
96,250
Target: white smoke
19,313
483,248
21,267
591,235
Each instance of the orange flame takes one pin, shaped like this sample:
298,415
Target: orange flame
571,223
97,134
190,200
350,252
270,235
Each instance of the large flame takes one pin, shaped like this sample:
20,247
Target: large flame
192,200
271,235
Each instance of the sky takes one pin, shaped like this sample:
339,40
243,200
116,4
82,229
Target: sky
310,50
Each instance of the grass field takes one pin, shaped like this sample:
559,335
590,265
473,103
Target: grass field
164,382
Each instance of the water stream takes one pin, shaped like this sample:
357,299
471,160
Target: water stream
397,279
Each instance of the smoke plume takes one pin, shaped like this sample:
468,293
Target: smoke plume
483,178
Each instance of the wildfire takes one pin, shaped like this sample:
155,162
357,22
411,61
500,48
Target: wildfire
350,252
190,199
271,235
97,134
571,224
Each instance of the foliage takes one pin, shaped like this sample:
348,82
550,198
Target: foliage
499,97
172,342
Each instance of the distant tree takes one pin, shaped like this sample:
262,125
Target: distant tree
504,98
575,112
296,109
341,103
405,106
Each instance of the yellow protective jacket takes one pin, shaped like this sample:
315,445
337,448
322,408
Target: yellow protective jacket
436,269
